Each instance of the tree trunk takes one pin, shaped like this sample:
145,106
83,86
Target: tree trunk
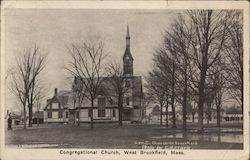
38,108
218,114
74,112
37,122
24,116
201,100
173,95
185,105
161,105
79,109
242,108
208,118
193,116
167,115
208,112
91,112
78,124
30,115
120,109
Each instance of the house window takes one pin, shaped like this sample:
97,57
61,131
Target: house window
49,114
127,100
55,105
101,112
67,114
60,114
89,112
113,112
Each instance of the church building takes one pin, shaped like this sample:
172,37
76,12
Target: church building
63,106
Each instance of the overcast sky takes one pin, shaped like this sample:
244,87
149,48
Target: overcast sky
53,29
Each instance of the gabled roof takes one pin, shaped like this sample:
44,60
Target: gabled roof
62,98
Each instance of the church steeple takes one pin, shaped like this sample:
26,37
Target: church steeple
127,38
127,57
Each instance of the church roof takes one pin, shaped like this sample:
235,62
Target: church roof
66,98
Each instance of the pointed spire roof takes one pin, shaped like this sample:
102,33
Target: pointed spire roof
128,31
127,51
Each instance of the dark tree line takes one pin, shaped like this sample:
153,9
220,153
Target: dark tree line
200,61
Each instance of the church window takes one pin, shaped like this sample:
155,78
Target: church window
89,112
101,112
127,100
114,112
101,107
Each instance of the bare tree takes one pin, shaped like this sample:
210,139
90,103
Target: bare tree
177,41
79,94
118,81
165,62
208,102
157,88
193,46
220,90
147,99
220,86
25,81
167,105
208,38
234,50
86,65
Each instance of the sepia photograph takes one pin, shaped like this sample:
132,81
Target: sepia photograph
117,82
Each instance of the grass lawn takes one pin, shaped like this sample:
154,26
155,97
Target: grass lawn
130,136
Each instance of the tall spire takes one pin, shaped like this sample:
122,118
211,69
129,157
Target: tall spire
127,38
127,31
127,57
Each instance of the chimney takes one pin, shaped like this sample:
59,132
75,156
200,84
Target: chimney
55,92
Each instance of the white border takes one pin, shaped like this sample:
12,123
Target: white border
26,154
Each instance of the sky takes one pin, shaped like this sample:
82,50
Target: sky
53,29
